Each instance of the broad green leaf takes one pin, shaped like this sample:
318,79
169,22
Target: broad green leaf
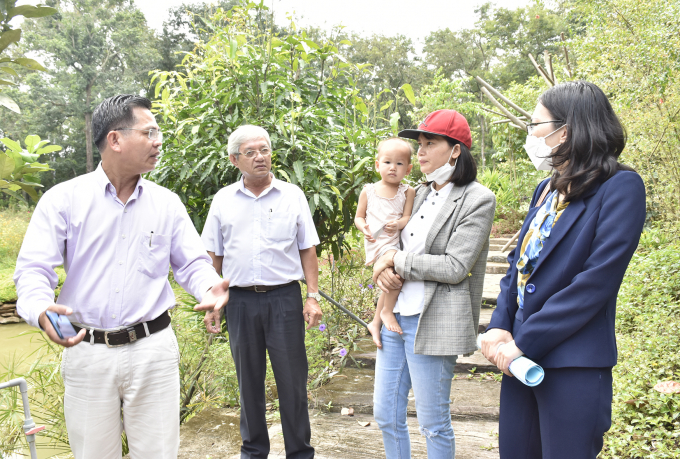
361,163
9,70
7,83
12,145
387,105
5,101
6,166
233,47
394,122
284,175
48,149
29,190
29,157
408,92
31,141
29,11
9,37
299,172
31,64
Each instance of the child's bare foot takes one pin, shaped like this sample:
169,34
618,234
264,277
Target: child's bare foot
374,330
390,321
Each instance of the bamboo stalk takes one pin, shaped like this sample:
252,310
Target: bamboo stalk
504,110
502,97
548,64
507,120
491,111
540,71
566,55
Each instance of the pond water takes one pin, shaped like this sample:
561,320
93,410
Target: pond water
17,341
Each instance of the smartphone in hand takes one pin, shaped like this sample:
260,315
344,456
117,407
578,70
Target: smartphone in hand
61,325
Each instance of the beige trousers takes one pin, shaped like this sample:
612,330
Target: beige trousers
134,388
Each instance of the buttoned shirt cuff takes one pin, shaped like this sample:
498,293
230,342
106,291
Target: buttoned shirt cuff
402,263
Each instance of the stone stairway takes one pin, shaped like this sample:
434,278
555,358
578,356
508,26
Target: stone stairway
475,396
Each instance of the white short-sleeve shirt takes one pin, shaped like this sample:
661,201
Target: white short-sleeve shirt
412,296
260,237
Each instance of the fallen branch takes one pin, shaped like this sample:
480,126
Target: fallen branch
504,110
541,71
502,97
566,55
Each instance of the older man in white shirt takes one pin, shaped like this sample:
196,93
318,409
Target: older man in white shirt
116,235
261,236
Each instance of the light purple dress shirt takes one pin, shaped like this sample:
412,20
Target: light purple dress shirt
261,236
116,255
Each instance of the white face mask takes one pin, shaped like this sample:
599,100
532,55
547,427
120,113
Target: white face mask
539,152
443,174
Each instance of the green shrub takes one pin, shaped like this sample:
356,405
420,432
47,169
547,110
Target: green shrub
646,423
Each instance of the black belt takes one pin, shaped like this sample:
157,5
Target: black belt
264,288
127,335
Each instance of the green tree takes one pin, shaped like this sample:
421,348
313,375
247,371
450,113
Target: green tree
631,50
92,49
323,133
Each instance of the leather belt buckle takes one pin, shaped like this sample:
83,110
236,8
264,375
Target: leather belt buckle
132,334
260,291
106,340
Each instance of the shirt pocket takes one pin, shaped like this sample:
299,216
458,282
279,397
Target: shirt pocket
154,255
281,226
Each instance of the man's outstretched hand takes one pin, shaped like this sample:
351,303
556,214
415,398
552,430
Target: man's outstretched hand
52,333
213,302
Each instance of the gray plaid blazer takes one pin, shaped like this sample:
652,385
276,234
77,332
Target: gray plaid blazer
453,269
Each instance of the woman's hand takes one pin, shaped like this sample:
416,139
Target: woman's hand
391,227
490,341
505,355
383,274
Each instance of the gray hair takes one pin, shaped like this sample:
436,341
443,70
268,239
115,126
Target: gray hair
114,113
244,134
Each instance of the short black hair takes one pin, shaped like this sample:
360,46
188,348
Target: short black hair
466,166
114,113
595,137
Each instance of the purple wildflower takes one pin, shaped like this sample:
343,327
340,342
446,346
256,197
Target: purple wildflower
343,352
370,286
361,285
322,327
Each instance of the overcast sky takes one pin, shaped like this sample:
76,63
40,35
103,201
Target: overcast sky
413,18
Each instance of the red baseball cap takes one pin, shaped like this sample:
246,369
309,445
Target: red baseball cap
448,123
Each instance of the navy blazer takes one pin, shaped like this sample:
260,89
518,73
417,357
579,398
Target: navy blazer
568,318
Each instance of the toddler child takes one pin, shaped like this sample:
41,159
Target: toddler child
384,209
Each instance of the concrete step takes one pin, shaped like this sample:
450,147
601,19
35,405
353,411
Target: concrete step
215,433
497,257
499,247
496,268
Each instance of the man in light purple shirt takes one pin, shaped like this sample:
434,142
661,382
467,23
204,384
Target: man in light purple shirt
116,234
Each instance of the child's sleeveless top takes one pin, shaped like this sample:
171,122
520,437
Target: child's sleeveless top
379,211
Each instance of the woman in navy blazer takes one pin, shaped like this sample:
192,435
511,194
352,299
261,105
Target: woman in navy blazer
566,323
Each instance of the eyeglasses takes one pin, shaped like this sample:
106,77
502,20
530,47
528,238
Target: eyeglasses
251,153
531,126
154,134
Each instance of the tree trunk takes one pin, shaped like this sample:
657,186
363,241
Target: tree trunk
89,164
481,124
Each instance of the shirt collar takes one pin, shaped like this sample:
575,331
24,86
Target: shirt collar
276,183
104,184
444,192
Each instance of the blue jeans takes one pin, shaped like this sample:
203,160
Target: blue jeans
397,369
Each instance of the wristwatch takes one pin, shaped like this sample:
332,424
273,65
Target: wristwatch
316,296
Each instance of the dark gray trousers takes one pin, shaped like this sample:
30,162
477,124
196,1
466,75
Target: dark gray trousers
270,322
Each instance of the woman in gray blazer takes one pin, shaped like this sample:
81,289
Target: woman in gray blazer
441,265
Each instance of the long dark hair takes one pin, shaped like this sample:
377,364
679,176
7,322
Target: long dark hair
466,167
595,137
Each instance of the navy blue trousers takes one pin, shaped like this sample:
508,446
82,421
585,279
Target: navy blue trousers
272,323
564,417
